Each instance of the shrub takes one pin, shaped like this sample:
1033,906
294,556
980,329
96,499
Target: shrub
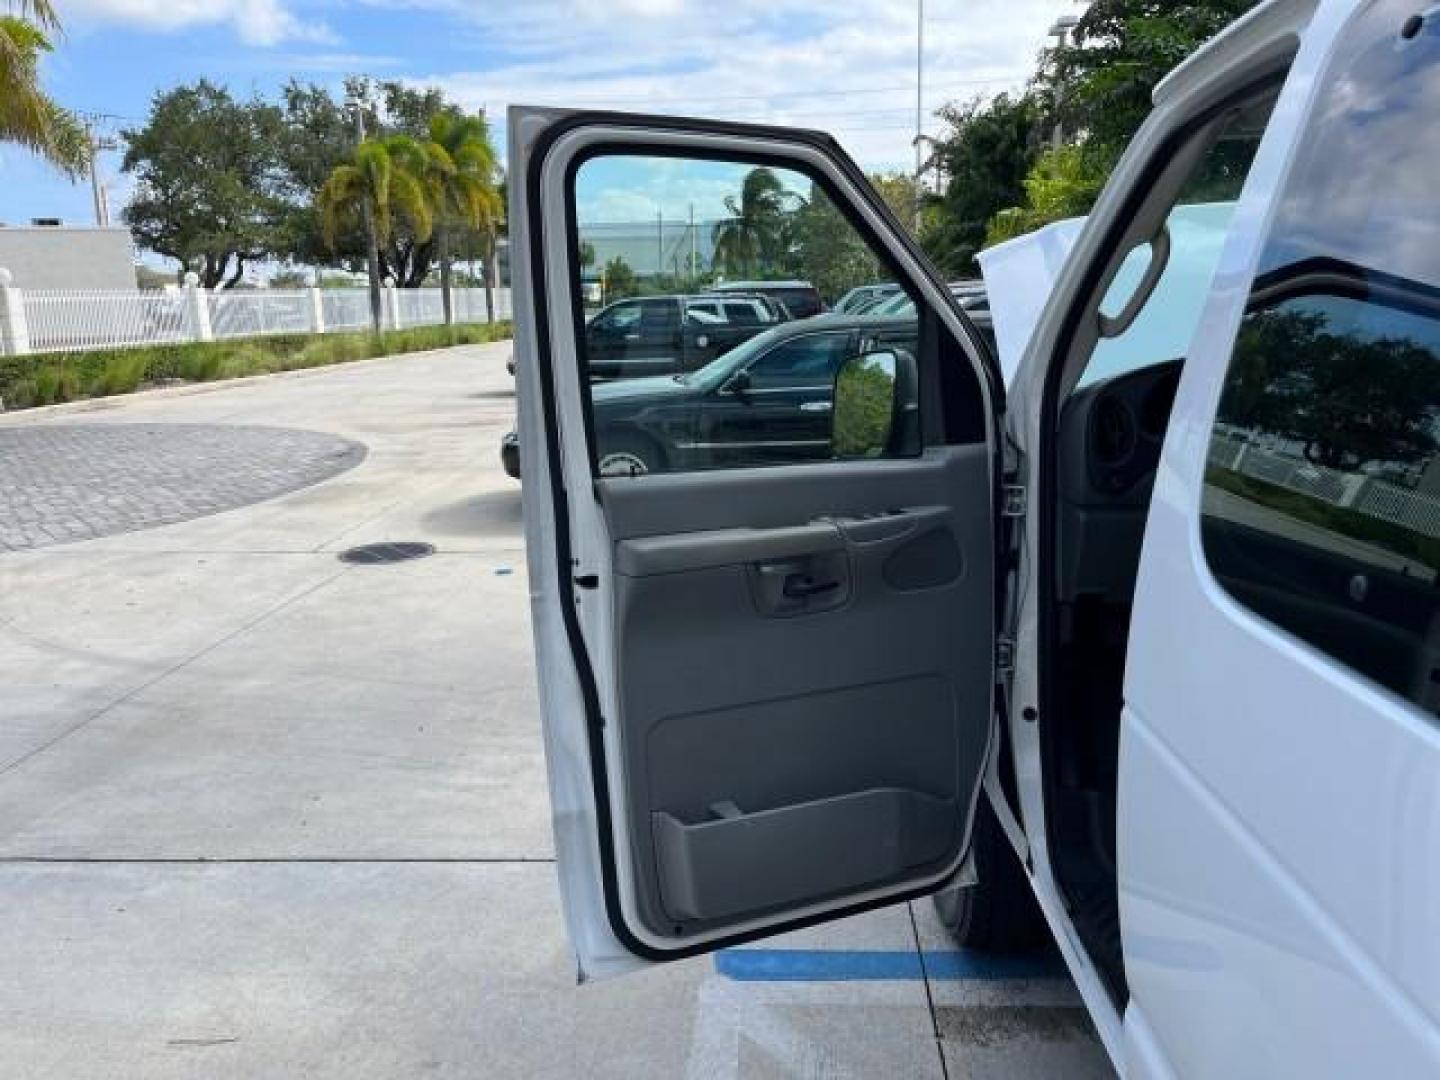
46,378
122,373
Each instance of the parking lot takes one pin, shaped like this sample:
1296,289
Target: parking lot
267,813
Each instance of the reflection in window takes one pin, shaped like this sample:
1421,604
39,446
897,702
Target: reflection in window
1322,500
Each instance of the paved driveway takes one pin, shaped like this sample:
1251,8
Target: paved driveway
265,813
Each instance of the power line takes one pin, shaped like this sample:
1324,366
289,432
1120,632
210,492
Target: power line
664,99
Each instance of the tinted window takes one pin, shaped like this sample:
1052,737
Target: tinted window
619,317
742,313
1322,502
808,361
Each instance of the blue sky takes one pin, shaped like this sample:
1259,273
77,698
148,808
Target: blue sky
844,65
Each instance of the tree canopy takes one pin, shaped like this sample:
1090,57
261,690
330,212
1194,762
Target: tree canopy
1007,172
207,171
28,116
224,182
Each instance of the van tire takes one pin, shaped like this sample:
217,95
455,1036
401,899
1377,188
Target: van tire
999,913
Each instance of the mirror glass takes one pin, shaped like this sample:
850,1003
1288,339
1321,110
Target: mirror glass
864,405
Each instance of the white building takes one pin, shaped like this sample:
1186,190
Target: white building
67,256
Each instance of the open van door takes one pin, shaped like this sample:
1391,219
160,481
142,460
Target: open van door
767,690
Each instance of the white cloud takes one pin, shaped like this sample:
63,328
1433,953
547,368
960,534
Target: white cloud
256,22
844,67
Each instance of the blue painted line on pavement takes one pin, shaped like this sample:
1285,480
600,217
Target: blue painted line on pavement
840,965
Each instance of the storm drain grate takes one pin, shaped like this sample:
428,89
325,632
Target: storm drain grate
390,551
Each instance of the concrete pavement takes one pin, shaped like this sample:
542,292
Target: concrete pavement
263,813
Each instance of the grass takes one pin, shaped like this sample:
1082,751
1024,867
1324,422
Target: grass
49,378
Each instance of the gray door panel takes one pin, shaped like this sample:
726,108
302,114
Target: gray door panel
799,651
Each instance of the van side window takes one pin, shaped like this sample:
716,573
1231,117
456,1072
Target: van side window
1322,496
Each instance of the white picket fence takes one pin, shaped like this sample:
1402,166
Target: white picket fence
1417,511
55,320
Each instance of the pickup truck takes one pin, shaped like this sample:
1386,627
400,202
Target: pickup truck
1130,639
667,335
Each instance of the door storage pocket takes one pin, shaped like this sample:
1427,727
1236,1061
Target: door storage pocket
744,863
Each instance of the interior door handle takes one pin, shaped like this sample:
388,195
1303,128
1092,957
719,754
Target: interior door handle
803,586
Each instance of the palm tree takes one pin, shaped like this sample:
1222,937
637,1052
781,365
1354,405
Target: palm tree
755,233
377,185
457,166
27,115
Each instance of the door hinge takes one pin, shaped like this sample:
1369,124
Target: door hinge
1012,501
1004,654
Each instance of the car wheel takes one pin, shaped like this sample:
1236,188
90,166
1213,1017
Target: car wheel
997,914
629,457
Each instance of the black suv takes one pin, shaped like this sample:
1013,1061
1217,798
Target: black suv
799,298
766,401
666,335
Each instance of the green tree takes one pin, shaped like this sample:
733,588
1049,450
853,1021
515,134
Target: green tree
317,135
985,156
457,166
901,193
753,240
619,280
1098,91
826,250
376,188
28,116
1064,182
320,134
206,173
1100,86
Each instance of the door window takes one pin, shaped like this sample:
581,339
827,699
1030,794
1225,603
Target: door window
803,363
696,224
1322,495
619,319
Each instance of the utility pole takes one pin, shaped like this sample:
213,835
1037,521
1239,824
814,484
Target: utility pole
919,105
96,143
372,246
691,283
659,242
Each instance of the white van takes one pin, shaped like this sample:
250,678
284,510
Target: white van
1153,639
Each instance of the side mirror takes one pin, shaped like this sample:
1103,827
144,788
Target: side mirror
862,414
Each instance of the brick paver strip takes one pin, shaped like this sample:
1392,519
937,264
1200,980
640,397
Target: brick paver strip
66,482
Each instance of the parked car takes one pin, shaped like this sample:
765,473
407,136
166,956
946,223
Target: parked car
753,309
1085,664
662,335
799,298
862,296
763,402
510,453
